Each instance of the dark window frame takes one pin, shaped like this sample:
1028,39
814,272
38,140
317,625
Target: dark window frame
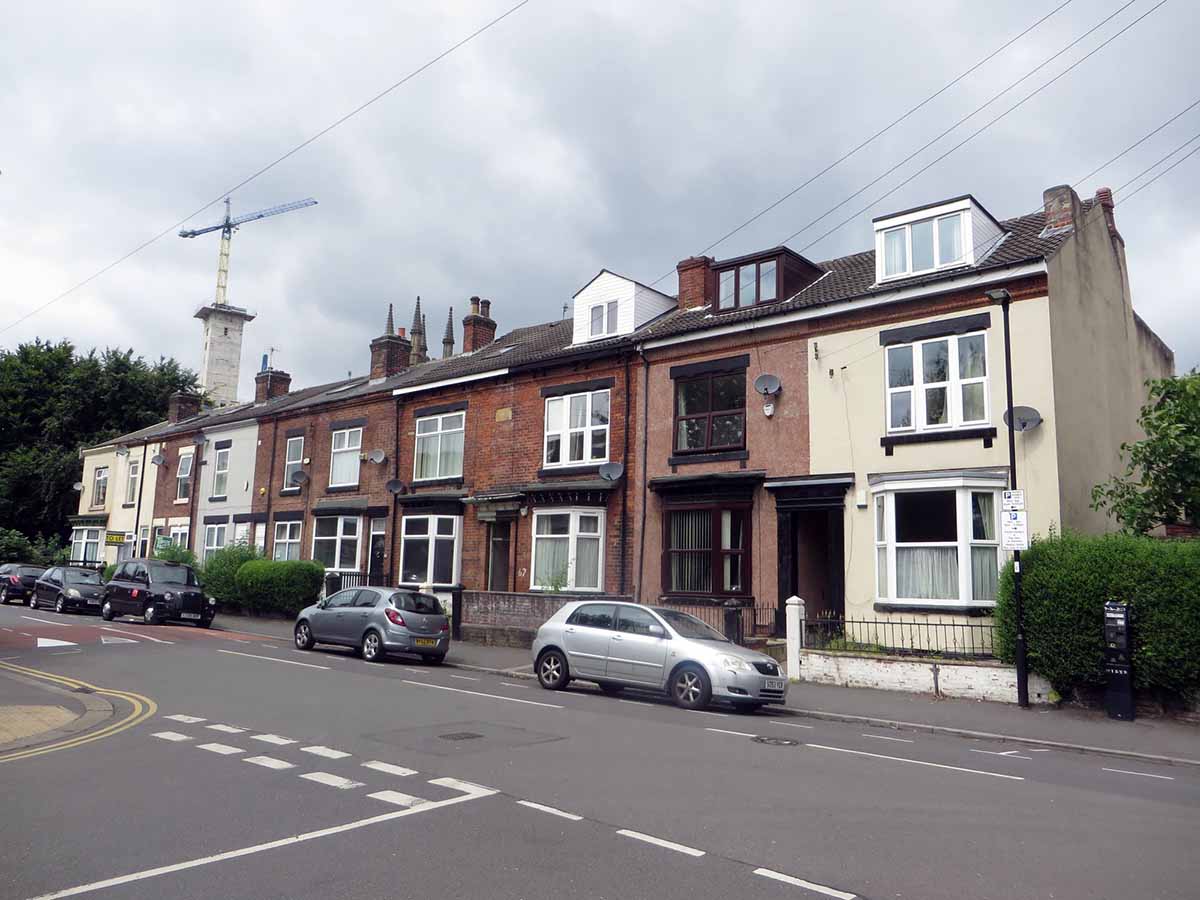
715,507
709,446
736,270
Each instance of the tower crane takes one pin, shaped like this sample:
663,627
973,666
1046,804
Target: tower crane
228,227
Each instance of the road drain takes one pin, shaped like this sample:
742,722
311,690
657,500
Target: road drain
775,741
460,736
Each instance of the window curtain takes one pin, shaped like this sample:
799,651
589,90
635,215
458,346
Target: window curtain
427,456
587,562
550,562
345,467
451,456
927,573
691,530
985,574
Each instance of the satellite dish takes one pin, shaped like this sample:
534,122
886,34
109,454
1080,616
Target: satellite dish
122,450
157,459
299,477
199,438
395,486
1025,418
767,384
376,456
611,471
77,486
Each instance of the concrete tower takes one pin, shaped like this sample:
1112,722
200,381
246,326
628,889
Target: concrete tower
221,364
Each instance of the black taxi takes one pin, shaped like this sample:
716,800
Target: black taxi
157,591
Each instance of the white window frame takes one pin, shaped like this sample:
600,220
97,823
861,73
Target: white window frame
214,538
431,537
436,438
182,493
84,538
132,471
963,486
287,541
144,545
906,227
180,535
954,386
221,473
572,543
351,434
99,486
564,434
609,310
291,465
339,563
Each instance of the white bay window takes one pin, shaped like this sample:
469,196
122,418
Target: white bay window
937,384
568,549
335,542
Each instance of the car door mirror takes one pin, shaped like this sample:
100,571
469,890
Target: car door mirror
656,631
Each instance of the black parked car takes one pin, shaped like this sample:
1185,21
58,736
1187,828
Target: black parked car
68,588
157,591
17,581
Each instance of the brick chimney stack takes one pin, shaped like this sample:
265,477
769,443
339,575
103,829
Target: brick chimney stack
1104,199
182,406
1062,206
271,383
696,282
479,328
389,352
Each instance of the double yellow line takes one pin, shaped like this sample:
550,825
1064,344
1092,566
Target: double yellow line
142,709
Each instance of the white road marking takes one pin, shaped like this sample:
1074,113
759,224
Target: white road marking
524,687
239,641
138,634
52,642
1143,774
884,737
442,687
268,762
268,646
1040,750
1010,754
45,621
6,629
388,768
223,749
7,658
336,781
64,652
327,752
417,671
260,848
227,729
398,798
807,885
186,720
915,762
792,725
705,712
171,736
272,659
105,639
24,634
724,731
659,842
273,739
467,787
550,809
464,677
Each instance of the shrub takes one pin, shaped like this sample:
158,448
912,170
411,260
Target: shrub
175,553
108,572
1066,582
219,572
14,547
280,586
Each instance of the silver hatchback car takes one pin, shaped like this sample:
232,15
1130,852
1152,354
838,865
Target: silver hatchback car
619,645
378,621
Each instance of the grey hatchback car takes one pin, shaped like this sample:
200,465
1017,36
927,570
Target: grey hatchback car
377,621
619,645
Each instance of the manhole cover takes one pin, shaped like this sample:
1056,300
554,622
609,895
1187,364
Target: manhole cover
460,736
775,741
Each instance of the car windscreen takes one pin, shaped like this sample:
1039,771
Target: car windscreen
165,574
416,603
689,626
81,576
31,571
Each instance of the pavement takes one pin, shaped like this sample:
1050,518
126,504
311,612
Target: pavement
266,771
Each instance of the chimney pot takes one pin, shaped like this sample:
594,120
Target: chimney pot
1104,199
485,308
474,306
479,328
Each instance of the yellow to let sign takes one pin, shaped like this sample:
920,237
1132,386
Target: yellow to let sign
114,537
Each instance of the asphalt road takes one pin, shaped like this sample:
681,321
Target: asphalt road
268,772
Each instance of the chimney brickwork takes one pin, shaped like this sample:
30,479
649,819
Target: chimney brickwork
1062,206
479,328
182,406
390,352
271,383
695,282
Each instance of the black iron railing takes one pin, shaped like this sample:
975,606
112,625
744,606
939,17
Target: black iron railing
902,637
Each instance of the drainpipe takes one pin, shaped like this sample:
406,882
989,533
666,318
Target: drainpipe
137,513
197,479
644,470
625,485
396,475
270,486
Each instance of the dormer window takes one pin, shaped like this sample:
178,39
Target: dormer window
603,318
747,285
943,236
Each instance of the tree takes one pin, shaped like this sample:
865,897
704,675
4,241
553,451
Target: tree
1161,483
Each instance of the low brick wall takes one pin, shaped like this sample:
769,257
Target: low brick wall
974,680
508,619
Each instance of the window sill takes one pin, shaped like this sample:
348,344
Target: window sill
918,606
289,492
890,442
688,459
705,599
583,591
341,488
558,471
180,502
455,480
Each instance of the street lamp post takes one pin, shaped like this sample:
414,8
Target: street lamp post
1004,299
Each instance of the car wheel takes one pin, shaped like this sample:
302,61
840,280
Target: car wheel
4,595
303,635
32,601
552,671
60,605
372,647
106,612
612,689
150,615
436,660
690,688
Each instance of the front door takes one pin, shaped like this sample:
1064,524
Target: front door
376,563
635,654
586,637
498,550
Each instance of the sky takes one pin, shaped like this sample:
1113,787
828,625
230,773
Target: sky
569,137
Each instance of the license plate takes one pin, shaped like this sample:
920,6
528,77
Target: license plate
424,642
94,602
773,685
189,615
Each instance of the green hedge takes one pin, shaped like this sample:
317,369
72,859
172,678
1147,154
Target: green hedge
108,572
219,573
284,586
1066,582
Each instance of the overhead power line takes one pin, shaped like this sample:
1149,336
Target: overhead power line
1147,184
269,166
1137,143
1156,163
